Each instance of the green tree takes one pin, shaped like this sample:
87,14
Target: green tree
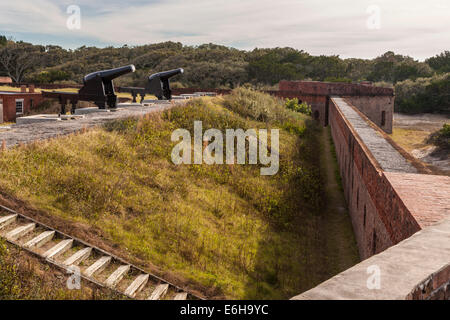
327,66
3,41
424,95
440,63
392,67
19,58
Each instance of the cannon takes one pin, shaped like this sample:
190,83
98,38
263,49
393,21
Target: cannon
98,87
158,85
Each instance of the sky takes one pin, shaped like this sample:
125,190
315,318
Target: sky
348,28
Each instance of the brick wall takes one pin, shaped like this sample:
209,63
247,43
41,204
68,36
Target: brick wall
5,80
379,216
379,109
9,103
375,102
400,217
435,287
418,268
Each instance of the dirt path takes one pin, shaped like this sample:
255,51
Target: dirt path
337,240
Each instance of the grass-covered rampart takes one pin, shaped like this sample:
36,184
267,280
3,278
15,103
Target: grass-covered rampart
224,227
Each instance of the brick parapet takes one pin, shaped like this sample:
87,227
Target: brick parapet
400,216
416,268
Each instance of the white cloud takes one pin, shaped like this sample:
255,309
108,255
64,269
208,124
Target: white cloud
413,27
31,16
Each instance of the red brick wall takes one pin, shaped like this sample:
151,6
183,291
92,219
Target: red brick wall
372,101
435,287
387,219
9,104
373,107
5,80
425,195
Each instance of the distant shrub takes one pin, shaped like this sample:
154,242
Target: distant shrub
440,62
383,84
255,105
177,85
441,138
50,76
294,105
338,79
423,95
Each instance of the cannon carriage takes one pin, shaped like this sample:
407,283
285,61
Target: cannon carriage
98,88
158,84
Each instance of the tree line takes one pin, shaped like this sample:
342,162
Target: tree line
211,65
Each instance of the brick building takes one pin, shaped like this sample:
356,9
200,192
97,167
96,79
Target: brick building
5,80
16,104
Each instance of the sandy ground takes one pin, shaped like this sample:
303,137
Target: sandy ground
425,121
411,131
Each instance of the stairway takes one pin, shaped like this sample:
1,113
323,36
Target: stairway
95,264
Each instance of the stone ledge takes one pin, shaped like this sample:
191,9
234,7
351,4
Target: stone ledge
403,268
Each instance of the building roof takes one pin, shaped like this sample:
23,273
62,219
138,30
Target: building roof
5,80
17,93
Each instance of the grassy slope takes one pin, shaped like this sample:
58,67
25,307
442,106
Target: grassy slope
222,226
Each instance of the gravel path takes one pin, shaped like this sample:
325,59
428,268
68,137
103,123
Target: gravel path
27,133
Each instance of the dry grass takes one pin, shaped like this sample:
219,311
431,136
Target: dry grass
410,139
222,226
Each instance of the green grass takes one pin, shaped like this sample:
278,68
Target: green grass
225,227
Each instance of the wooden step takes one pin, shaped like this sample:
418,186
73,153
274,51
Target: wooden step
20,232
4,221
40,240
180,296
98,266
137,285
117,275
78,256
58,249
159,292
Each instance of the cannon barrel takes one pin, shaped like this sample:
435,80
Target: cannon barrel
159,84
166,74
108,75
